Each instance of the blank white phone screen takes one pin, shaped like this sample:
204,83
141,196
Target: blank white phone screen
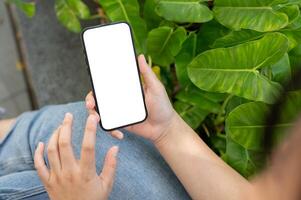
115,75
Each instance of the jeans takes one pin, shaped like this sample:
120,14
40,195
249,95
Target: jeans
141,172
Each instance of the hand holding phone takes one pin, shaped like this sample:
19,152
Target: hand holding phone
160,111
114,75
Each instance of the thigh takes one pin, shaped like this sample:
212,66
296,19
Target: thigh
22,185
141,171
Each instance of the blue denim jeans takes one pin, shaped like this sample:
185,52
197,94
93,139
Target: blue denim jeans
141,171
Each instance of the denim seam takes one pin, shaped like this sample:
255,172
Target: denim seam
23,194
20,161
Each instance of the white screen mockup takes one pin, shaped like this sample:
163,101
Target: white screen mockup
114,74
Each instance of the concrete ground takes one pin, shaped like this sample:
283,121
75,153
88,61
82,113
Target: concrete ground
13,92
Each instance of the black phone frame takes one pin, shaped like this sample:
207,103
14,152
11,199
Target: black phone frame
91,79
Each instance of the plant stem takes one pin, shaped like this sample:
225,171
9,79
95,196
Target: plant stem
150,61
206,130
220,117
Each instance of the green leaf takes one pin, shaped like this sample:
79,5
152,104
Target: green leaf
28,8
281,70
185,56
235,70
292,11
196,97
245,124
192,115
296,24
219,143
149,14
235,102
256,15
184,11
208,34
127,10
237,37
163,44
79,8
246,162
295,58
67,16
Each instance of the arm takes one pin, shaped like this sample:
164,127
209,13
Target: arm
203,174
200,170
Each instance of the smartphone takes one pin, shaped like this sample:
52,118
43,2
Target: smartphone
115,76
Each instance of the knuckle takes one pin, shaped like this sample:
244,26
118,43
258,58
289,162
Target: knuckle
64,143
51,150
91,128
88,148
69,177
38,166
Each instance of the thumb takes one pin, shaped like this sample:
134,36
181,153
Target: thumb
150,78
109,168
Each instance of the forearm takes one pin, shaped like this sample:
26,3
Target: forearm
200,170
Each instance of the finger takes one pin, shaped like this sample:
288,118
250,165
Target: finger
87,161
53,154
117,134
149,76
39,163
65,146
109,169
90,104
90,101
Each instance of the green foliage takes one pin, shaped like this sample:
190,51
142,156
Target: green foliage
192,11
28,8
69,12
223,62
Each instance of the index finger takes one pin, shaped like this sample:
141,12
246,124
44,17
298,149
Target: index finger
87,161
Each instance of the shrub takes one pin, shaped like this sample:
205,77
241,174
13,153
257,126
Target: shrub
223,62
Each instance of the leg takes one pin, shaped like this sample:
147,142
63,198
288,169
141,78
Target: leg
5,125
141,173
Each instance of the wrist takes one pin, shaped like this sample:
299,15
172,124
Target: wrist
174,122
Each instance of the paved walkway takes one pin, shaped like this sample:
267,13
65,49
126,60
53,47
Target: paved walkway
13,93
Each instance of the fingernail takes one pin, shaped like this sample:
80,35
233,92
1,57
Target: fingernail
68,116
115,150
40,145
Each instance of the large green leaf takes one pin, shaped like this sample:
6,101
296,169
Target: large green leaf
29,8
185,56
209,32
192,115
235,70
246,162
190,11
196,97
69,12
257,15
164,43
292,11
237,37
281,70
245,124
149,14
127,10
